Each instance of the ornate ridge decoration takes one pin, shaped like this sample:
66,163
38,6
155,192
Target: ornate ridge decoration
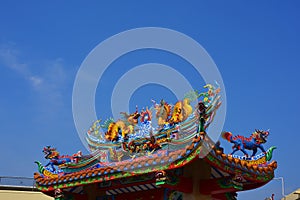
130,148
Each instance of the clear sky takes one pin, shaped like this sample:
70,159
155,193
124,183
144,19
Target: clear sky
43,43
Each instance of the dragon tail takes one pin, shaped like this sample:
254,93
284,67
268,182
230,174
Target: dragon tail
227,136
40,167
270,153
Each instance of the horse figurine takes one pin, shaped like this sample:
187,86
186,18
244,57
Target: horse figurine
241,143
56,159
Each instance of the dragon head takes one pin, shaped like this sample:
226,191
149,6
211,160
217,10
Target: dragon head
261,136
131,118
50,152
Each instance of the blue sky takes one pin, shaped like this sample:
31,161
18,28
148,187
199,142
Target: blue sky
42,45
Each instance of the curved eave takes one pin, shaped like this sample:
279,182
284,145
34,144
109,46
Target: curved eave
167,161
135,167
233,166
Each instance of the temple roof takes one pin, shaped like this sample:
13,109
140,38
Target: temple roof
177,155
221,163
